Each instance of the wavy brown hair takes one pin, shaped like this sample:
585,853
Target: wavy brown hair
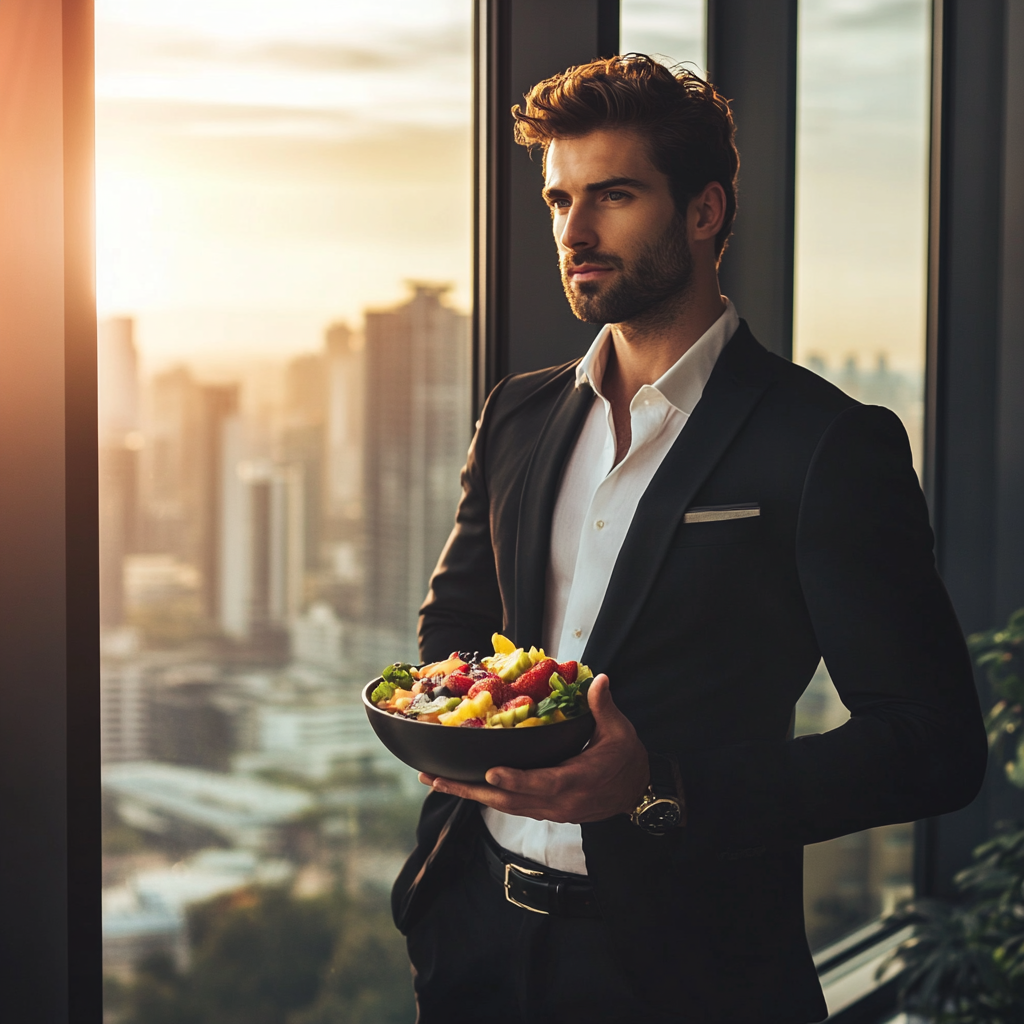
686,123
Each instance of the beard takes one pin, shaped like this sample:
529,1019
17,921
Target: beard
647,288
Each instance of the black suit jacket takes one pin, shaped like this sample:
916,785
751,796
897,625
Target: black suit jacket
710,631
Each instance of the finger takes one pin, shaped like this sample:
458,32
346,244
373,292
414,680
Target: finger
427,780
539,781
510,803
599,698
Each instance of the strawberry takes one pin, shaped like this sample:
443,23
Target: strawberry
533,683
516,702
568,670
459,683
495,686
472,723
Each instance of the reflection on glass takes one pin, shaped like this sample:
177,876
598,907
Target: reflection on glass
671,30
283,234
863,79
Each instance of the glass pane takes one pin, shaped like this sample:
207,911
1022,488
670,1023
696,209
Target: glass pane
850,880
862,158
671,30
862,165
284,205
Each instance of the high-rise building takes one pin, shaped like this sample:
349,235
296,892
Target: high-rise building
301,442
418,418
117,379
171,471
262,553
124,709
218,404
119,443
345,426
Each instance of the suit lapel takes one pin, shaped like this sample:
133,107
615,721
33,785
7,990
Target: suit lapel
537,506
740,377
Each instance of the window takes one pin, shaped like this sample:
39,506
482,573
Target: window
672,30
284,260
861,269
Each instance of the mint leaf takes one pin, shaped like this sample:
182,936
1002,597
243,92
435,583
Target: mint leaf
398,674
384,691
568,698
546,706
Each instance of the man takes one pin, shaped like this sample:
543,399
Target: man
700,522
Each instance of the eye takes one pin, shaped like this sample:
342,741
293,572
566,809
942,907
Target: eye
558,204
615,195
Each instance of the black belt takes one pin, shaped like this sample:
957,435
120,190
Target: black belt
542,891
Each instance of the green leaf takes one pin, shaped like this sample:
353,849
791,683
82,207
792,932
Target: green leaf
383,691
398,674
546,706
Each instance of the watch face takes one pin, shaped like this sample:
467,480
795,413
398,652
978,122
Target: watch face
660,816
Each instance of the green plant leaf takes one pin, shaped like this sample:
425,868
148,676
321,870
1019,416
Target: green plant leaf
383,691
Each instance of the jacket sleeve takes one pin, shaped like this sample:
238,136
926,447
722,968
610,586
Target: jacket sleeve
463,607
915,743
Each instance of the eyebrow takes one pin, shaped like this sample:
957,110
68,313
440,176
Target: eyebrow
599,186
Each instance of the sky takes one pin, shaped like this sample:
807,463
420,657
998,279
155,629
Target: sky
862,161
265,168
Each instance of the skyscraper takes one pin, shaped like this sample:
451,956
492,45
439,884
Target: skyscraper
345,425
119,443
262,553
417,429
217,404
171,477
302,442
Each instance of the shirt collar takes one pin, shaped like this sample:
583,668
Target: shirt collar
684,382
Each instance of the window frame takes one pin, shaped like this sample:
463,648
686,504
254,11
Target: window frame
51,928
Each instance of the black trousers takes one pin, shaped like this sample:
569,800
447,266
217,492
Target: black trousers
478,959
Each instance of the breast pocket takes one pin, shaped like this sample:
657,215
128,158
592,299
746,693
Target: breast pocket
720,524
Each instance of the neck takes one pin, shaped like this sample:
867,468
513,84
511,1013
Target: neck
647,346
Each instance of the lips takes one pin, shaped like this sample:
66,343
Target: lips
589,272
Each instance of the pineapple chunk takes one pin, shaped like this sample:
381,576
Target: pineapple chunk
509,666
502,644
475,707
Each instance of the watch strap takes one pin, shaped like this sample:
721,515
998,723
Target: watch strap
666,781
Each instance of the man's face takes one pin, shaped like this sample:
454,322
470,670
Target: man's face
622,245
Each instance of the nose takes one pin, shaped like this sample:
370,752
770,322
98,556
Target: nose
576,230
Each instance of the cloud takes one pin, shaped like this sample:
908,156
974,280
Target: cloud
873,15
152,49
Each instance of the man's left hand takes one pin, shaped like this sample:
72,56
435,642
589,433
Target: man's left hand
608,778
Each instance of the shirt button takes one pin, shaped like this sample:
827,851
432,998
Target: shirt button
599,524
577,633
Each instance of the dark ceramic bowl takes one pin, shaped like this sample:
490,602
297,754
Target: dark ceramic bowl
467,754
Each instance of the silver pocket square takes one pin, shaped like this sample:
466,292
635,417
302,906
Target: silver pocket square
716,513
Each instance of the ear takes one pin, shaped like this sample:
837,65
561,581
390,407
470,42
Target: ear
706,213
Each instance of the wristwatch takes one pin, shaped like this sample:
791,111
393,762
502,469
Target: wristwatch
661,809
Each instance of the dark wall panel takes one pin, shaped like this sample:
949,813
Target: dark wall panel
752,61
1009,583
975,437
522,319
49,736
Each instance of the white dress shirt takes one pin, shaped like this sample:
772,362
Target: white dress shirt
596,504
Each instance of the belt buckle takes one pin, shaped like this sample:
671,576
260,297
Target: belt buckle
511,898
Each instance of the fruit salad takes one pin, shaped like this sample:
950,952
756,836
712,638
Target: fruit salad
513,688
